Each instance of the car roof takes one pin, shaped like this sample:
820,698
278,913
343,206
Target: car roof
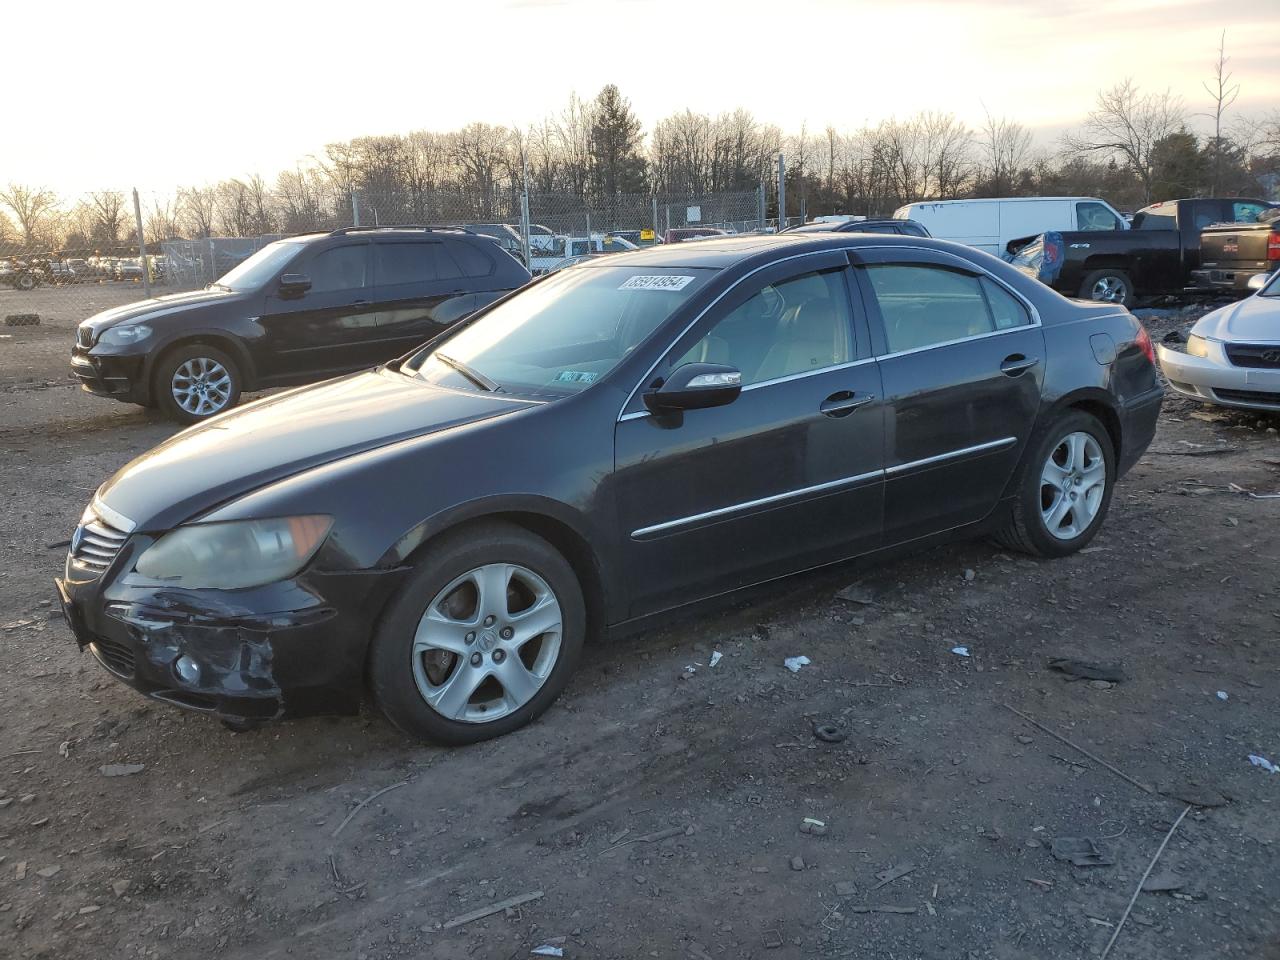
722,252
941,203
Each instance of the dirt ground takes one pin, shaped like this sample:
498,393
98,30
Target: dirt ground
656,810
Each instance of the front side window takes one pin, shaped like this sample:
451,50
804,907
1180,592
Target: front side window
562,334
261,267
785,328
923,305
339,268
1091,215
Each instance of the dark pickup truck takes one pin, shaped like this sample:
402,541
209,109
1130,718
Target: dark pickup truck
1231,253
1157,256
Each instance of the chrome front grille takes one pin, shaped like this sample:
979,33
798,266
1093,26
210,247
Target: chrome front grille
96,542
84,336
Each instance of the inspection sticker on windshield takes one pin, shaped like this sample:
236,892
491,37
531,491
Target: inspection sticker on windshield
576,376
656,283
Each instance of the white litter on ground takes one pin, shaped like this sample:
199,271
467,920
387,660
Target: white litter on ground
547,951
795,663
1222,695
715,658
1264,763
960,651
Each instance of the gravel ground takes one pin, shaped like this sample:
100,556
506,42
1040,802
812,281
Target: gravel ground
657,810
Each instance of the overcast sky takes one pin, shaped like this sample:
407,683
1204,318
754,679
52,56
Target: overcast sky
108,95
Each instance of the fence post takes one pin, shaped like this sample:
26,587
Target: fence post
355,208
655,219
142,244
782,193
761,209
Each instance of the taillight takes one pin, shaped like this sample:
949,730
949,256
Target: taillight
1273,246
1051,261
1143,340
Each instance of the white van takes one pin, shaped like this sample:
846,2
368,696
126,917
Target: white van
993,225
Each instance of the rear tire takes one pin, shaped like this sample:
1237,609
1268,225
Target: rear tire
1064,490
1108,285
195,382
452,648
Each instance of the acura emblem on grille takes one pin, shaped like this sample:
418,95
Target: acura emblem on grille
1271,356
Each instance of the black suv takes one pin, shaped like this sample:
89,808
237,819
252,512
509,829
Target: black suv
301,309
907,228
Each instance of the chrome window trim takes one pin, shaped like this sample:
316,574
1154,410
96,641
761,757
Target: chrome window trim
809,373
950,343
749,504
703,312
951,455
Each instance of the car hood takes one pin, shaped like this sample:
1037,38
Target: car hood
156,307
1254,319
280,436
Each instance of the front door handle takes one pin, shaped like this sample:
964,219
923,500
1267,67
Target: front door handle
844,403
1016,364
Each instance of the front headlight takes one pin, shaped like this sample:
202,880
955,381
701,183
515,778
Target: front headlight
234,554
120,336
1197,346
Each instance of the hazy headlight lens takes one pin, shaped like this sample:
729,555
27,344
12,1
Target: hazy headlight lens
119,336
1197,346
235,554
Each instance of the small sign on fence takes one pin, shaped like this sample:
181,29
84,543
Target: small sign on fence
693,215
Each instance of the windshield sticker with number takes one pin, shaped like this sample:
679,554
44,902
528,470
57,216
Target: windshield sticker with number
576,376
656,283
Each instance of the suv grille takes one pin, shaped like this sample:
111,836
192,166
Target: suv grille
1254,354
97,544
84,336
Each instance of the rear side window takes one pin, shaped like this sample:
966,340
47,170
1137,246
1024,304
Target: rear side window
923,305
471,260
1247,212
339,268
397,263
1007,310
1161,216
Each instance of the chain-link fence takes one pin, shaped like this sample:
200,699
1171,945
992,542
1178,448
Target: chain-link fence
64,260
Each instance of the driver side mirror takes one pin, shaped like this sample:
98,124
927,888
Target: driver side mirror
294,285
695,386
1258,281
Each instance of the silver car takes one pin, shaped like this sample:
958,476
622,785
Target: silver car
1232,356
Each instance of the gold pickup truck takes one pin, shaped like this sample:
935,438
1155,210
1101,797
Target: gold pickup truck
1231,253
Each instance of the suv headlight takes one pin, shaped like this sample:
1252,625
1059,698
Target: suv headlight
234,554
120,336
1197,346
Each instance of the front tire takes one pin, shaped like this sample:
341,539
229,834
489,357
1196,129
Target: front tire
482,637
195,382
1108,286
1065,489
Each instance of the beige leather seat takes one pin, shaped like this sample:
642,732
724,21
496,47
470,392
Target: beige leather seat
809,340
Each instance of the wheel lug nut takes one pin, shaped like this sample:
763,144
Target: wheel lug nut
507,633
471,637
489,620
499,656
476,658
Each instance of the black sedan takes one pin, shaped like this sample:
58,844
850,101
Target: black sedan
625,438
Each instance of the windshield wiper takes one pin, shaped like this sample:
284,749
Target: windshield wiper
475,376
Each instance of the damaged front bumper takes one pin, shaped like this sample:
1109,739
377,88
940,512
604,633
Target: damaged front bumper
288,649
1214,379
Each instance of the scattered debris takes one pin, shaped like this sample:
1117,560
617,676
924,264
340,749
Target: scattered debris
857,593
1146,873
772,939
828,732
20,873
546,950
1146,788
48,872
970,575
813,827
1080,852
120,887
121,769
1222,695
1042,884
1197,452
893,873
716,657
795,663
1163,882
64,749
365,802
882,909
651,837
1236,488
960,651
846,889
491,909
1264,763
1195,794
1087,669
797,863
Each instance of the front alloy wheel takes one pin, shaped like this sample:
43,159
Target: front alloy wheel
1072,484
201,387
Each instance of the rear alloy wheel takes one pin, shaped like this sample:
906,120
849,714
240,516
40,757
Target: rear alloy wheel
195,383
1108,286
1065,488
482,638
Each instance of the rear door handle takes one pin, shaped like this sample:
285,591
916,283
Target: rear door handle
844,403
1016,364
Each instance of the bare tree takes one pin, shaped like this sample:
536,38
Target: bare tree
108,215
1005,145
1223,92
34,209
162,219
199,207
1128,123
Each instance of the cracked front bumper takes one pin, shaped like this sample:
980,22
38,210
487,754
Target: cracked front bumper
1214,379
289,649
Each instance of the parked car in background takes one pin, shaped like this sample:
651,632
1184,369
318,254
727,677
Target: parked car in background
1231,254
127,269
506,236
630,437
1157,256
1232,355
681,234
298,310
545,261
637,238
19,274
1002,225
907,228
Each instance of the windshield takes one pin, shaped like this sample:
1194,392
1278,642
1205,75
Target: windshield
252,273
562,334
